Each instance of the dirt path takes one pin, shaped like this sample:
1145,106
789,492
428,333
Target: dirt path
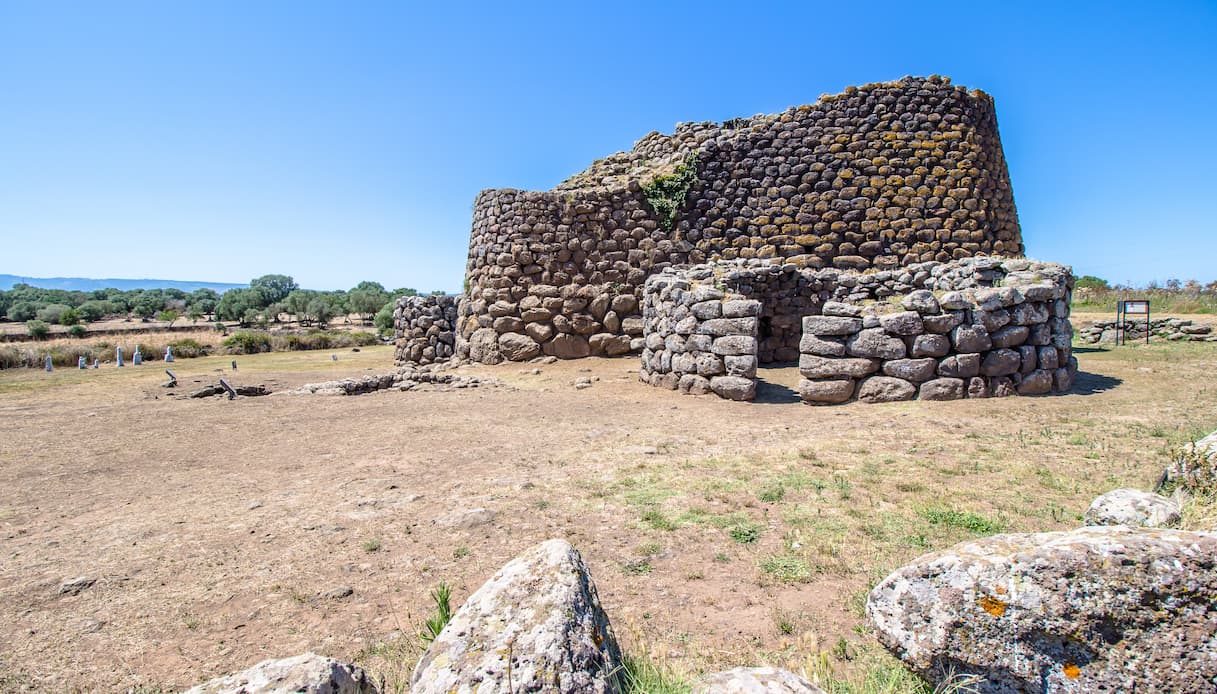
214,529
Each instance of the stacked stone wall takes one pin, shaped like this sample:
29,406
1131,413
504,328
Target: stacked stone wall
877,177
976,327
425,329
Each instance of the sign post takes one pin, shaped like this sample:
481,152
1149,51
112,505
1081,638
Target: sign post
1125,309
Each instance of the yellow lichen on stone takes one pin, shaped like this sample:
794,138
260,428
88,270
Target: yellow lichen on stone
993,606
1072,671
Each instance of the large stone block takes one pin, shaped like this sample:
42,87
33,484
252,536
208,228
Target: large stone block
566,346
885,389
831,325
733,387
875,342
536,625
811,366
826,392
1108,609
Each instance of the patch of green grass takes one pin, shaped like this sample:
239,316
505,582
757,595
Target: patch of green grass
963,520
649,548
460,552
787,568
637,567
772,493
746,533
442,597
657,520
642,675
371,545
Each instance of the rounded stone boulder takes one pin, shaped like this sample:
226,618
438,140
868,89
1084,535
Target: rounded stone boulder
308,673
755,680
1099,609
567,346
886,389
826,392
733,387
536,625
518,347
1134,508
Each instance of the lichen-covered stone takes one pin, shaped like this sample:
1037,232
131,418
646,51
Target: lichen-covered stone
1134,508
536,625
755,680
1108,609
885,389
304,674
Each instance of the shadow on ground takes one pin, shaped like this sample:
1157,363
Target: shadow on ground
1093,384
775,384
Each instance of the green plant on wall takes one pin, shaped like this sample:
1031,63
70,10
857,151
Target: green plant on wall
667,193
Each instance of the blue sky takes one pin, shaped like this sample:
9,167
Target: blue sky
343,141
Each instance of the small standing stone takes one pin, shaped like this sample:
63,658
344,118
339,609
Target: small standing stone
49,366
118,356
169,354
80,362
137,358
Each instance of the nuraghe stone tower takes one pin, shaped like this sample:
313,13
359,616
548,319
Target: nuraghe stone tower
852,198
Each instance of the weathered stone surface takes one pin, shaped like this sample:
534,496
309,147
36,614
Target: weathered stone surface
1134,508
1038,382
959,366
822,346
741,365
826,392
1000,362
886,389
609,344
741,308
837,308
903,323
733,387
971,338
566,346
306,674
941,389
831,325
978,387
952,300
693,384
875,342
517,347
734,344
915,370
921,301
1100,609
811,366
536,625
942,323
930,346
727,326
1011,336
756,680
484,346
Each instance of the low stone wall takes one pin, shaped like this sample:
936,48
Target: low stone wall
974,343
1166,327
425,327
975,327
700,338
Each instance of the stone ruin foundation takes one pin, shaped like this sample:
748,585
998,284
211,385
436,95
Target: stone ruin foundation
977,327
865,235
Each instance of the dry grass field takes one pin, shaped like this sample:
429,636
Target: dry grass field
220,533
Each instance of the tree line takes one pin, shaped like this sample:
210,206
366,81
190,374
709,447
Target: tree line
264,301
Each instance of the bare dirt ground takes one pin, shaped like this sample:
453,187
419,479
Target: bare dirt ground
718,533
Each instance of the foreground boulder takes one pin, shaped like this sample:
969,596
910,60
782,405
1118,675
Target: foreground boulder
536,625
1195,470
755,680
1134,508
1100,609
301,674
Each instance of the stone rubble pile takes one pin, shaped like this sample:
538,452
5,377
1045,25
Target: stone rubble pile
406,379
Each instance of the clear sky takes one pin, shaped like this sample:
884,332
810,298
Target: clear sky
344,141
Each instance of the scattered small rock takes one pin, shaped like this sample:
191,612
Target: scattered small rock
74,586
1133,507
302,674
337,593
755,680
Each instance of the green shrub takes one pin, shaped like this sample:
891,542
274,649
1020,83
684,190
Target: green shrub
187,348
53,313
666,194
69,317
442,597
247,343
37,329
77,330
745,533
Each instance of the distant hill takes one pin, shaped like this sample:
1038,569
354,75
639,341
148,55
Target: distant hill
85,284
